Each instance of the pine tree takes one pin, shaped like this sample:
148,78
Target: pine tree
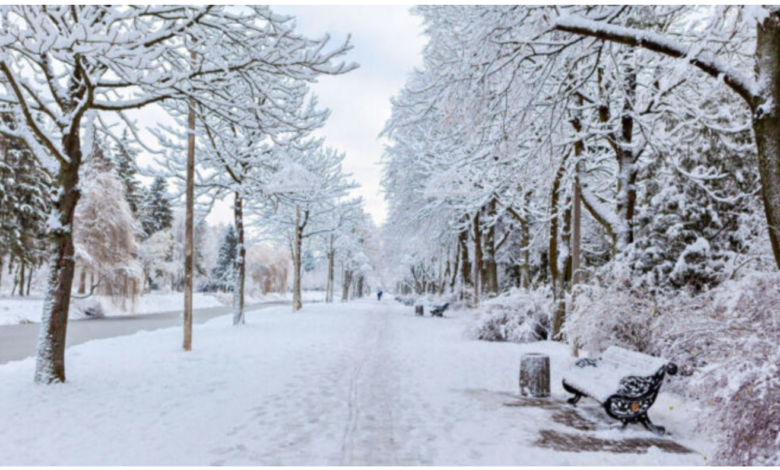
156,213
201,231
126,169
24,205
224,271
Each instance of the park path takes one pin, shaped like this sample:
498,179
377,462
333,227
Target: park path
380,386
20,341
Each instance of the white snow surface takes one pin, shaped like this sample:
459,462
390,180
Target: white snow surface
14,310
357,383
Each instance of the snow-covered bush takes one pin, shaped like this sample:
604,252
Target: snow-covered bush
725,340
519,316
617,312
729,338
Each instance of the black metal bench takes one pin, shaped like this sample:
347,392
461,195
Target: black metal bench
438,310
626,383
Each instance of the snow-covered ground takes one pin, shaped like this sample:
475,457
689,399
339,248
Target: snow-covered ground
356,383
15,310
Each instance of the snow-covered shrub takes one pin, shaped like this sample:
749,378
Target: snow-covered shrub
729,337
619,312
519,316
725,340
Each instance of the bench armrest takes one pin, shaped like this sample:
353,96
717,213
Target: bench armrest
587,362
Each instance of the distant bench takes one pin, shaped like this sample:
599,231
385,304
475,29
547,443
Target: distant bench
626,383
438,310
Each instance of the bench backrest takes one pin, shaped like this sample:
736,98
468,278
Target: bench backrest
633,362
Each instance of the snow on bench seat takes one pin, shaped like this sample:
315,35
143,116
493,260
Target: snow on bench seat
603,380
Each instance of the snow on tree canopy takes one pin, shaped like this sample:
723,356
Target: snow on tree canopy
293,178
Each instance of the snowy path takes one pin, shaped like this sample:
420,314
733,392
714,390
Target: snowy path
349,384
20,341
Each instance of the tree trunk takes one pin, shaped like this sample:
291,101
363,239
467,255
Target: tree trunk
189,228
298,244
491,268
240,264
83,281
477,258
16,282
22,266
576,238
766,124
575,235
331,259
50,365
555,275
525,245
346,281
29,279
465,264
359,290
454,277
627,171
444,275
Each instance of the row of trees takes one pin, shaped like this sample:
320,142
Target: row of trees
540,144
618,165
234,78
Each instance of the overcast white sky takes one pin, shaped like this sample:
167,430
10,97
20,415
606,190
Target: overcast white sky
387,44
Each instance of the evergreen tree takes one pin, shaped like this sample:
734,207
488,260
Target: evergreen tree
156,213
24,204
126,169
697,211
223,273
309,262
201,230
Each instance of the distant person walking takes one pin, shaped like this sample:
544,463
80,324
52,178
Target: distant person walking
379,296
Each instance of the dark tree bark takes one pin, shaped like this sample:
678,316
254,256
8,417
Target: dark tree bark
50,366
477,257
240,263
557,276
331,259
766,125
345,283
22,266
454,277
465,263
491,266
83,281
29,279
